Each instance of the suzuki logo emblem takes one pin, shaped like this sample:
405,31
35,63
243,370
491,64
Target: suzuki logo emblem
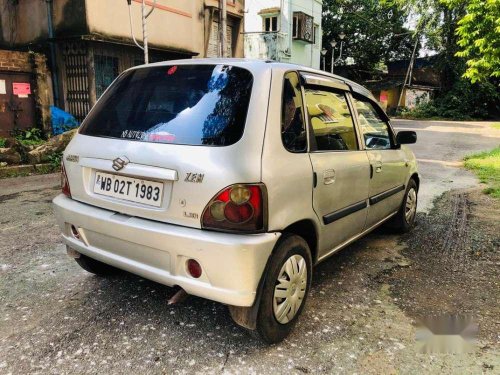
120,162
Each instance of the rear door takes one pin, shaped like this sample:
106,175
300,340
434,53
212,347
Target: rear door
341,168
388,166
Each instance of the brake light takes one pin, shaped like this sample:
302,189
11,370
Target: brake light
240,207
64,182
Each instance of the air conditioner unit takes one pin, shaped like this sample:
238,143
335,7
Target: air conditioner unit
303,27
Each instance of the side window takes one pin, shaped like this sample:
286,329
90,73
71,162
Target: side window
374,128
293,131
331,120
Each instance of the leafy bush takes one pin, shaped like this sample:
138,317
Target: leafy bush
3,142
55,160
30,137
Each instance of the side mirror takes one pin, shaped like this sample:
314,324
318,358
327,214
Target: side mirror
406,137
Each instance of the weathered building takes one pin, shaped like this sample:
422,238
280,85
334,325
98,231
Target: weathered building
284,30
92,44
425,79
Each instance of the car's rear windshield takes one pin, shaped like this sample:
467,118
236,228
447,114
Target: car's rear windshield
175,104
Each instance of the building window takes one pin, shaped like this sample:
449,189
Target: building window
271,24
106,70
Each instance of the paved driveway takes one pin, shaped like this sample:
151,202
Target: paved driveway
56,318
440,149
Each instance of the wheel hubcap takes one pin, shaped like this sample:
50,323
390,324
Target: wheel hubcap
411,205
290,289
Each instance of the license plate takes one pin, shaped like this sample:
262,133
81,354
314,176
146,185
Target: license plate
130,189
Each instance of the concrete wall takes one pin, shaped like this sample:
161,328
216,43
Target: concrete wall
176,25
22,23
303,53
26,22
293,51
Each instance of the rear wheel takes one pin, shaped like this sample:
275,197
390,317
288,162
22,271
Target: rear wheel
285,289
404,220
96,267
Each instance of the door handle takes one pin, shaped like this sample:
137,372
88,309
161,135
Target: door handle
329,176
377,166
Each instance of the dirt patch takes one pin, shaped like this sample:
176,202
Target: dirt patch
454,262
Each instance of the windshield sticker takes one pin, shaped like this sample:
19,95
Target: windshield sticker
161,137
134,134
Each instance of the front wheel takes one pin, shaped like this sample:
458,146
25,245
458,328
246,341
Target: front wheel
285,289
404,220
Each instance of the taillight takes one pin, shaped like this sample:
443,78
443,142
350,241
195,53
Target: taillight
64,182
240,207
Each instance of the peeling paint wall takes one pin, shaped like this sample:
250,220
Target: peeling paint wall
22,22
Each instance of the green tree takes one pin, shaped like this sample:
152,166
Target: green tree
375,31
479,39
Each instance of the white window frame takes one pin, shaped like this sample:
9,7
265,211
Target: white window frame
315,34
270,18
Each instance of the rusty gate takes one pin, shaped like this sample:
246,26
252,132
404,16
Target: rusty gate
17,105
76,79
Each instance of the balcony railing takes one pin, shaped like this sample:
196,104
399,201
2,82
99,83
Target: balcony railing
265,45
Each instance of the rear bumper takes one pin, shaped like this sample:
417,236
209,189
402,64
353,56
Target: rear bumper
232,264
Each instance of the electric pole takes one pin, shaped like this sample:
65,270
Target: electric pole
409,72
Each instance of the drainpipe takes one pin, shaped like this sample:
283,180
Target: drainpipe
53,65
223,27
144,32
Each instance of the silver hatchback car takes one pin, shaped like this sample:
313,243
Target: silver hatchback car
231,179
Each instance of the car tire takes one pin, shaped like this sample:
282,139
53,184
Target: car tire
404,220
96,267
291,261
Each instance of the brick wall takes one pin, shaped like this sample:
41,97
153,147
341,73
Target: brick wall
15,61
35,63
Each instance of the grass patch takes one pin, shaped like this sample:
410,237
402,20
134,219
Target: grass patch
496,125
486,165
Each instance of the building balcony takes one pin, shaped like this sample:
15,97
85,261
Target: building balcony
265,45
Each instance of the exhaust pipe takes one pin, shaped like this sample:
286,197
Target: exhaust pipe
178,297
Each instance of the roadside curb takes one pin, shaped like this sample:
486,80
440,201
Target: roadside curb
24,170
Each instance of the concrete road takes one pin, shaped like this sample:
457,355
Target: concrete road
440,150
56,318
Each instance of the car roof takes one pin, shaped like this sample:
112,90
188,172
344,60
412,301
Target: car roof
256,64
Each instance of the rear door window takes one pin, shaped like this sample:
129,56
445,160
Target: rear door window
293,131
176,104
